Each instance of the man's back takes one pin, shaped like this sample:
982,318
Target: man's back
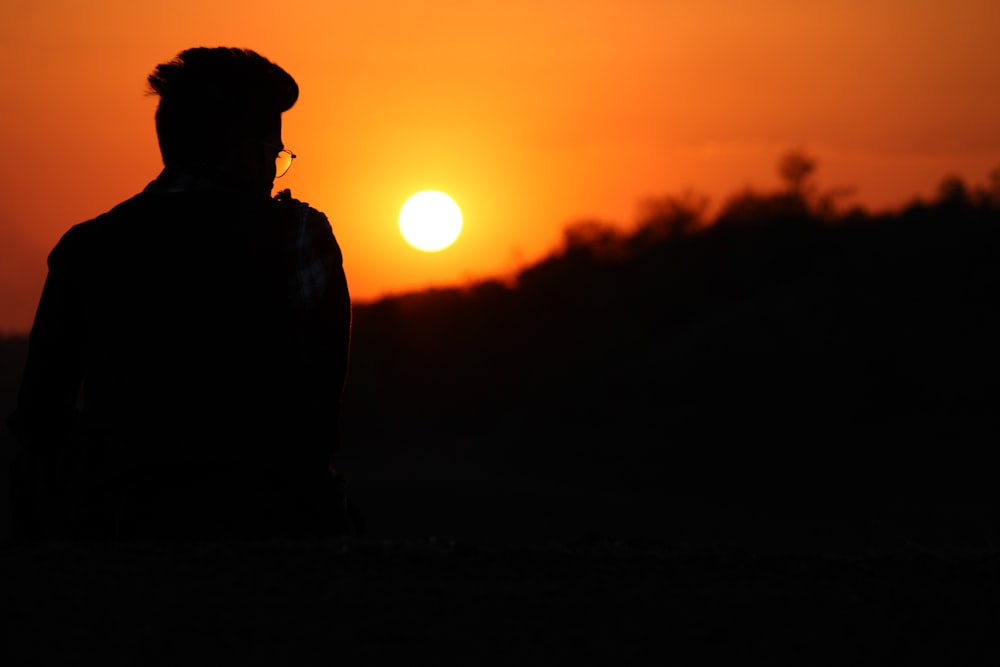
201,368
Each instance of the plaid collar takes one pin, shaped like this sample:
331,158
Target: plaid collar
172,180
182,181
309,247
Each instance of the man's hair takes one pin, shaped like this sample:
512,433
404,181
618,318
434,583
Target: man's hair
211,98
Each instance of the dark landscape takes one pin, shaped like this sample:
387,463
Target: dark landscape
766,433
372,602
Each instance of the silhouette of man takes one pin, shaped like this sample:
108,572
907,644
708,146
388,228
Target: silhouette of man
190,347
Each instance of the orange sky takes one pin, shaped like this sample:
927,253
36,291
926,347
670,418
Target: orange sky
530,114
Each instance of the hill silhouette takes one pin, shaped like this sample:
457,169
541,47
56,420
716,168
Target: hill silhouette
786,356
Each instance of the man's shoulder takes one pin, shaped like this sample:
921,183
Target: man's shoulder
142,214
115,215
306,228
96,230
299,213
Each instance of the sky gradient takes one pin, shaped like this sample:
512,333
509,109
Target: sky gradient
531,115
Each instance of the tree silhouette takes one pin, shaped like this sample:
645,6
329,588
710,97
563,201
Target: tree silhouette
993,188
670,216
952,191
795,168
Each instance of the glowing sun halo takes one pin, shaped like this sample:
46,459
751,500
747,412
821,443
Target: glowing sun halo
430,221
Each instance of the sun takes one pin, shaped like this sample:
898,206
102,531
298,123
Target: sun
430,221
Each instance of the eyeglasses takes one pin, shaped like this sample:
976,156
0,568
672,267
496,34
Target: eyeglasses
282,161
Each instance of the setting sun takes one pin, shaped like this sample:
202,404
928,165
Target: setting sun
430,221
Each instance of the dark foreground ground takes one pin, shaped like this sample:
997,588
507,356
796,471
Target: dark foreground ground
440,602
483,574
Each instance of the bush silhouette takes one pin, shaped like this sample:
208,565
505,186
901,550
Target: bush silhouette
838,340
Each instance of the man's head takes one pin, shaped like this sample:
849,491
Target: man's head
220,113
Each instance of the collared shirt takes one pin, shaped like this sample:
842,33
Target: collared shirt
309,255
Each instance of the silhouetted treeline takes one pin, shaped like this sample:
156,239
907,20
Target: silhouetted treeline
785,337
